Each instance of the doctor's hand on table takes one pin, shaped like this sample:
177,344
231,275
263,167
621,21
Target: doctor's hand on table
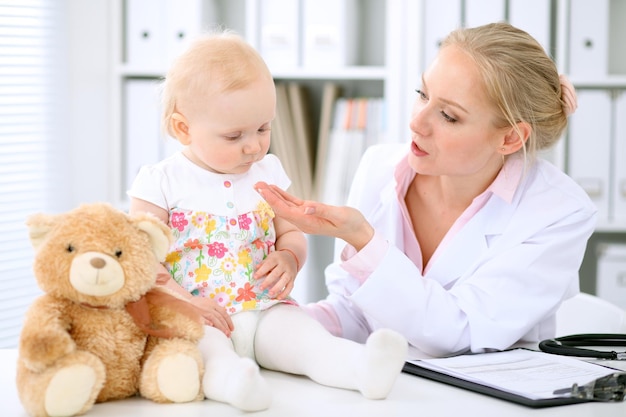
316,218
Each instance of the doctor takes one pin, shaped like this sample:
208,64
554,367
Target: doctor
462,240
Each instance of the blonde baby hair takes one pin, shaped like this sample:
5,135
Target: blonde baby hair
214,62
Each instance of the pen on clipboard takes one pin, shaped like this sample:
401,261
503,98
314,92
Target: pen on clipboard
607,388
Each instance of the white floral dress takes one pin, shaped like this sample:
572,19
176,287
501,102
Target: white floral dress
222,227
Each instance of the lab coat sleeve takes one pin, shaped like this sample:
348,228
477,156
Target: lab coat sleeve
493,305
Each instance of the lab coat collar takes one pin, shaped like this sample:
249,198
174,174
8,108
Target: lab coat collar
504,186
472,241
475,238
508,179
496,206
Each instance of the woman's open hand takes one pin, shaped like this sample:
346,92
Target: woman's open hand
311,217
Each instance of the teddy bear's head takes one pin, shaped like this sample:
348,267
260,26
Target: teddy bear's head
97,255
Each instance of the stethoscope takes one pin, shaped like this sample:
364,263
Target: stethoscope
570,345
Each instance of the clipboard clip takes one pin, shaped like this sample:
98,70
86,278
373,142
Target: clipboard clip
607,388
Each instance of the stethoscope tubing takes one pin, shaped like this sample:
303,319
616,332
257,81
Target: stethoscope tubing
569,345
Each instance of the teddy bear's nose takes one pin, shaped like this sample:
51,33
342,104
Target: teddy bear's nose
98,263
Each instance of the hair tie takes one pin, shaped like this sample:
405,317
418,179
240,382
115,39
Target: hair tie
568,95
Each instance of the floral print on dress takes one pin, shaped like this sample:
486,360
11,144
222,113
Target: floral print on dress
216,256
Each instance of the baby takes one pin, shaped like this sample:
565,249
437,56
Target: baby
232,258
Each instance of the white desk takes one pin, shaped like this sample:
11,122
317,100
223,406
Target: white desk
299,397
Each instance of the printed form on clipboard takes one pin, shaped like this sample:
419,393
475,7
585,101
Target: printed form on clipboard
524,376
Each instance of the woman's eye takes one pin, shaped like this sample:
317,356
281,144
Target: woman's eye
448,117
421,94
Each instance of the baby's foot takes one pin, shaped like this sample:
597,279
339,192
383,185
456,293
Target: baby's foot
383,359
246,389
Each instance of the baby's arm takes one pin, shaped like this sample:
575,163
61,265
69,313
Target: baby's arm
213,314
281,266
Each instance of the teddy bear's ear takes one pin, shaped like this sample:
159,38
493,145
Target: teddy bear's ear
158,232
38,227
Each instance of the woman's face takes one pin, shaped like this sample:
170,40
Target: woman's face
452,128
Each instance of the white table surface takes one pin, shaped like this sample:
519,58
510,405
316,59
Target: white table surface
296,396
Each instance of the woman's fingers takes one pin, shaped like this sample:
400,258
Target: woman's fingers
276,197
217,320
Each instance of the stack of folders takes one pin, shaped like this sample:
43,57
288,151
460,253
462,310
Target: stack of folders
158,31
292,138
323,167
314,34
357,124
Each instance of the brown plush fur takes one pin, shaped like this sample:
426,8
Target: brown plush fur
78,339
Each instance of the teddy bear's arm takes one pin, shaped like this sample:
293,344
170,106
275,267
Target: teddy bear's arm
45,334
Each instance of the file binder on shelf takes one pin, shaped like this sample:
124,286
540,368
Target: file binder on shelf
358,123
440,18
144,33
345,145
619,181
157,31
590,166
330,33
589,39
302,141
279,22
141,128
285,145
533,16
184,21
611,273
143,141
330,93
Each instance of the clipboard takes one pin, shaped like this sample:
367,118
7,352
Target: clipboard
417,370
460,380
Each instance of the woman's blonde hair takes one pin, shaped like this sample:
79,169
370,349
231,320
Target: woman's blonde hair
214,62
521,80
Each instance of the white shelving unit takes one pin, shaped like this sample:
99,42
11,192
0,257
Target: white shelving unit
595,147
592,52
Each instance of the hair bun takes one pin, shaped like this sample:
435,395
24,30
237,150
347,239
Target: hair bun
568,95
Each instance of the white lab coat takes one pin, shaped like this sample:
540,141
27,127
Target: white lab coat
499,281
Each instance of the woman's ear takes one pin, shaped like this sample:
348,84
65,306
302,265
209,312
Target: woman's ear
180,128
515,138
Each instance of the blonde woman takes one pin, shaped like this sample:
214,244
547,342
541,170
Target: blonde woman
462,239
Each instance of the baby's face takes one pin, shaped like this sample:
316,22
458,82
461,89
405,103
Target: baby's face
231,130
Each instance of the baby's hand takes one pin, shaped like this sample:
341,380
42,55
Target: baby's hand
279,271
214,314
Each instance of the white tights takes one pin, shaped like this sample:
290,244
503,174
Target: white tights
284,338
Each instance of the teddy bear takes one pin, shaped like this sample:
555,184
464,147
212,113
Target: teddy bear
103,329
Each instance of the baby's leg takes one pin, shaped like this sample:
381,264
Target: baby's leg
230,378
289,340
